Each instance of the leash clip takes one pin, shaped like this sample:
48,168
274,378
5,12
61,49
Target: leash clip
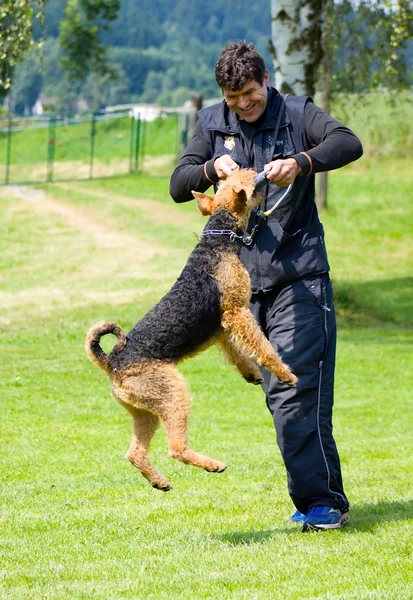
249,238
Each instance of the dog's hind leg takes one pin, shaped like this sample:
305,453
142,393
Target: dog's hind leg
246,335
174,412
144,427
247,367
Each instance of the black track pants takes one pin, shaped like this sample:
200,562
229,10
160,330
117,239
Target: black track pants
299,321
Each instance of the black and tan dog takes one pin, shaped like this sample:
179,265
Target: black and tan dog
208,304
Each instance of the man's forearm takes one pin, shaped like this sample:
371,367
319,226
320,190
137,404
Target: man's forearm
195,169
334,144
339,149
189,176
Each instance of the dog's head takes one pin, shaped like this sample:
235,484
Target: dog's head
234,194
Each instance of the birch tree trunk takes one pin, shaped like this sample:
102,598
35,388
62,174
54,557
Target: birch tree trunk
327,43
297,51
295,45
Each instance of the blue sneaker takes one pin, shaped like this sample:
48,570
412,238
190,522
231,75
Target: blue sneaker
297,517
324,517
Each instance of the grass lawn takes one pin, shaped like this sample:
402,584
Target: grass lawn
77,521
113,150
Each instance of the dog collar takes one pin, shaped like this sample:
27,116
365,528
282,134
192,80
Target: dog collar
245,239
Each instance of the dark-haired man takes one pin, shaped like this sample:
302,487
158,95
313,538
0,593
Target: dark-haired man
290,139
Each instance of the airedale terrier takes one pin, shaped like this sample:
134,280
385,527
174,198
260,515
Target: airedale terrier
208,304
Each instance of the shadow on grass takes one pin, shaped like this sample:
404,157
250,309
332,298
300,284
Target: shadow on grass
244,538
372,303
369,517
365,518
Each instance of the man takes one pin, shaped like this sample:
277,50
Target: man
290,139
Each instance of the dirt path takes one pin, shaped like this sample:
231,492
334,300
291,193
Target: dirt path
98,262
95,226
162,213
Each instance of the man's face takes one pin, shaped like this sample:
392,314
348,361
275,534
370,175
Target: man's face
250,101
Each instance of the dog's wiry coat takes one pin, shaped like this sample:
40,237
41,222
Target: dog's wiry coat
209,303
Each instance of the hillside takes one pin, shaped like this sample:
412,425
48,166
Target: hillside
162,51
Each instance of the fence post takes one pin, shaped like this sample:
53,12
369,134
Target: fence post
8,154
51,148
92,145
138,139
131,140
143,138
183,131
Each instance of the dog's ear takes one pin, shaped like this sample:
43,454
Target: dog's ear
204,202
239,199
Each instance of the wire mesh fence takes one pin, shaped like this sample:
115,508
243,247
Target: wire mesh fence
56,148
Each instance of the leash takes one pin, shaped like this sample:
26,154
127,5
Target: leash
247,239
260,182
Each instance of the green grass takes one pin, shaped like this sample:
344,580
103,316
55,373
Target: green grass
113,151
382,122
77,521
72,141
383,125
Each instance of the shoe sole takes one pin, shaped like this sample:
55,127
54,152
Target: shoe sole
312,527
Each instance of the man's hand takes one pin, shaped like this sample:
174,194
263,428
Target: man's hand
224,166
282,171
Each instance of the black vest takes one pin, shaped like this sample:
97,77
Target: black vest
289,244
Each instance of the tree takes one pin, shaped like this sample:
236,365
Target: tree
365,49
16,35
349,47
80,36
83,51
296,44
27,84
296,48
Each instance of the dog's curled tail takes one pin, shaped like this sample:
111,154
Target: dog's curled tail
92,345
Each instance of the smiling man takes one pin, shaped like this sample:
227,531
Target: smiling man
290,139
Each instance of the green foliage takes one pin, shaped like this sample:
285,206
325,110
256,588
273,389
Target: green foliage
16,29
368,47
137,25
28,84
165,51
157,51
138,65
383,125
80,33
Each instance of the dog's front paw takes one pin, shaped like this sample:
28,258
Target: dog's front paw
164,487
214,466
255,379
290,379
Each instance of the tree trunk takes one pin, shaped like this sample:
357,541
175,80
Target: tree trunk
297,52
322,178
296,44
322,190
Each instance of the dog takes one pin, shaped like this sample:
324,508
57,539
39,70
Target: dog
208,304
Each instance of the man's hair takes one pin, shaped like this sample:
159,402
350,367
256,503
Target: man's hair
238,64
